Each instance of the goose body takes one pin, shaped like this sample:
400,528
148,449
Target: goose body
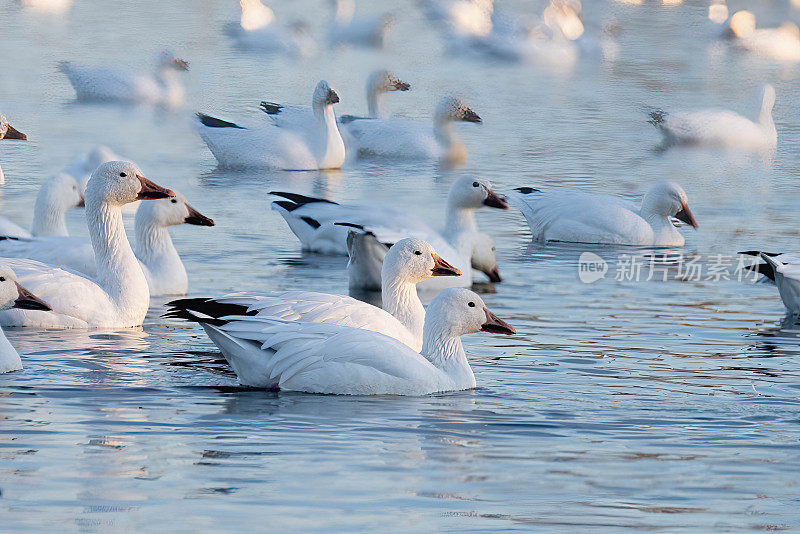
322,226
786,272
13,295
257,30
326,358
118,296
317,145
781,43
157,256
104,84
346,28
402,316
720,128
577,217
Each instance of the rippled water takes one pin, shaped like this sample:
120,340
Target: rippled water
651,405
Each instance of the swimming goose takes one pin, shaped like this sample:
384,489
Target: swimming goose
57,195
118,297
82,166
787,277
47,6
322,226
408,262
576,217
720,128
363,31
102,84
462,18
160,262
2,177
781,43
316,146
412,139
324,358
766,269
13,295
257,30
9,132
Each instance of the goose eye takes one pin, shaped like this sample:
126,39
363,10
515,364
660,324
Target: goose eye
122,174
417,252
174,201
475,184
2,278
471,304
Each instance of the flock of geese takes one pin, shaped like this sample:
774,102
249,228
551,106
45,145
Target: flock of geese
319,342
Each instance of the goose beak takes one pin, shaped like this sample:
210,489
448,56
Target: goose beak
28,301
442,268
81,203
494,201
496,325
494,275
399,85
13,133
333,98
197,218
181,64
471,116
152,191
686,216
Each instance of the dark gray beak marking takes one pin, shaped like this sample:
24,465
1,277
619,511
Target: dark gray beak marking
494,201
496,325
471,116
152,191
333,98
197,218
13,133
494,276
685,215
442,268
28,301
181,64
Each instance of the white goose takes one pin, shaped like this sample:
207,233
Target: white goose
101,84
2,177
786,275
57,195
575,217
781,43
160,261
257,30
118,297
267,144
8,132
325,358
720,128
82,166
361,31
411,139
13,295
402,316
322,226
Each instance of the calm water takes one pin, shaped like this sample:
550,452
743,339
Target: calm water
664,406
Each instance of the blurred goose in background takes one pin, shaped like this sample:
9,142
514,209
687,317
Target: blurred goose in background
82,166
408,262
362,31
118,296
2,177
291,145
105,84
322,226
786,275
576,217
47,6
413,139
56,196
9,132
325,358
257,30
13,295
159,260
720,128
461,20
781,43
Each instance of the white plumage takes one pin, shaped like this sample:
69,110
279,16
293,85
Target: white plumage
56,196
781,43
13,295
787,277
258,31
346,28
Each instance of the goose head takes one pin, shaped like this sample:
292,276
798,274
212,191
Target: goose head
13,295
120,182
383,81
742,24
457,311
172,211
668,199
168,61
255,15
452,109
9,132
412,260
718,12
484,257
323,96
61,193
471,192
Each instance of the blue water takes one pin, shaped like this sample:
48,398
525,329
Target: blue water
664,406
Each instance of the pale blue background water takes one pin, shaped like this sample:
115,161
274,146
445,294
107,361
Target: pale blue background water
665,406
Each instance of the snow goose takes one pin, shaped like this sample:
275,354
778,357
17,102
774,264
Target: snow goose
13,295
9,132
462,18
362,31
101,84
408,262
2,177
317,146
781,43
57,195
721,128
257,30
786,275
766,269
160,261
83,165
325,358
47,6
118,297
576,217
411,139
322,226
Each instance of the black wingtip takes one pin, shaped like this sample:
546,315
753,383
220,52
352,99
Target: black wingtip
213,122
210,309
300,199
270,108
527,190
760,252
763,268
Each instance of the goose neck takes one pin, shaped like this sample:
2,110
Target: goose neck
401,300
49,217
